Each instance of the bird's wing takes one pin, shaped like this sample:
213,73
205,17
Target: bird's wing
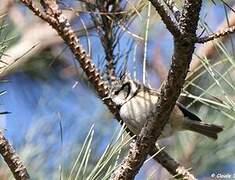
187,113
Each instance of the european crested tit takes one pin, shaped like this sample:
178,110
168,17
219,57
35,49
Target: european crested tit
135,101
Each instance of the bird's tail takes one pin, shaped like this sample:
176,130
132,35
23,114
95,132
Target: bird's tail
209,130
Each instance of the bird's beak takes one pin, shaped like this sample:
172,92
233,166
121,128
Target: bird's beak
105,98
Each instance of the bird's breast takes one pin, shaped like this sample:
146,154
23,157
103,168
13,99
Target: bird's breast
134,113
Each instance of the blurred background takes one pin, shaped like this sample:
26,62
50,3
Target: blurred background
53,107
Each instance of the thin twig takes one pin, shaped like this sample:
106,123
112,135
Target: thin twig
209,50
106,23
221,33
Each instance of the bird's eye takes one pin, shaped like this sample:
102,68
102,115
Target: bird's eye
116,92
125,90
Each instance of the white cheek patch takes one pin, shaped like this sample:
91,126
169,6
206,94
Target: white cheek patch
119,100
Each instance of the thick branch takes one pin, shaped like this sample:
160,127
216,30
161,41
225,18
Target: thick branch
13,161
170,91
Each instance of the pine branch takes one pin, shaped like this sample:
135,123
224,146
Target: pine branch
58,21
13,161
217,35
106,21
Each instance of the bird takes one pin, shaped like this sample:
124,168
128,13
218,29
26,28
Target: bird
135,101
